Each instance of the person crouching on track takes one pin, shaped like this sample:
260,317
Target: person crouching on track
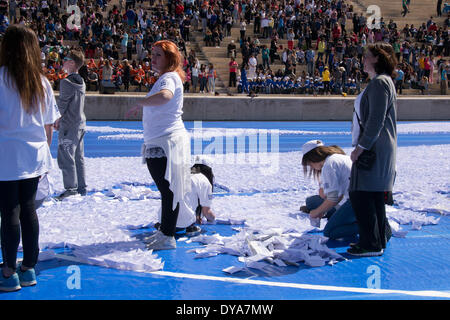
331,166
196,205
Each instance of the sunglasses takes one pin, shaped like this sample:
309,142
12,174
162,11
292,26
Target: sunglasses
68,59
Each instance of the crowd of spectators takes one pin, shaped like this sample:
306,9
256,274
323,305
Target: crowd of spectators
325,36
330,34
116,39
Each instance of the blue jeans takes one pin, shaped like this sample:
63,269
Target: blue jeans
341,223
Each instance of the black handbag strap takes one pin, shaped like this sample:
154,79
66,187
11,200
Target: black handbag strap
359,120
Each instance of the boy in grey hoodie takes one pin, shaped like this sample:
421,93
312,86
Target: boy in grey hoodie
72,126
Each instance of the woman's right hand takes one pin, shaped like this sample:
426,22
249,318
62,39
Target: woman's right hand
356,153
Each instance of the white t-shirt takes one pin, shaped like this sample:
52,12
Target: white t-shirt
162,120
24,152
201,191
264,22
335,175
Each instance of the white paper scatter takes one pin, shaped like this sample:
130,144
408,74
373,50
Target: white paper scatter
46,255
259,250
127,136
229,221
279,263
232,269
121,257
398,217
266,205
108,129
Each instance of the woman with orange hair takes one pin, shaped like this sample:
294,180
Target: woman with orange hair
166,148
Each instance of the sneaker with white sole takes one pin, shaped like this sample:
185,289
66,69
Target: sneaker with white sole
193,230
9,284
27,278
360,252
150,238
162,242
65,194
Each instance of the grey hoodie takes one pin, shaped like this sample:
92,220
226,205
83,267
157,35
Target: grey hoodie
72,91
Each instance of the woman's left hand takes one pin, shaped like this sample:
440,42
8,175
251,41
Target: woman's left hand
356,153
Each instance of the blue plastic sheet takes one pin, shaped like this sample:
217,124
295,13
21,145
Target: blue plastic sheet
418,262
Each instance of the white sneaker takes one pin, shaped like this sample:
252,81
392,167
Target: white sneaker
162,242
151,238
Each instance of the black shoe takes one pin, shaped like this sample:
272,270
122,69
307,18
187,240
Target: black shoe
353,244
193,230
66,194
82,192
360,252
304,209
388,234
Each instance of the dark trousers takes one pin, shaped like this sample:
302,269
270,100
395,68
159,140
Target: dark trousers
399,86
326,86
370,212
232,80
19,215
157,168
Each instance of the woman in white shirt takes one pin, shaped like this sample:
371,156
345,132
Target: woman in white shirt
252,64
107,71
243,28
332,168
27,113
166,147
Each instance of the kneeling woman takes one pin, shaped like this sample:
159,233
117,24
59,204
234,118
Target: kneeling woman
330,166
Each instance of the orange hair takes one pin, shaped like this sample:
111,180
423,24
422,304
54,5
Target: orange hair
173,57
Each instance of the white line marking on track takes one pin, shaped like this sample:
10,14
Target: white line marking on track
418,293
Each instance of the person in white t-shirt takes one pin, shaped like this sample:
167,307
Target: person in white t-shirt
252,63
331,166
196,205
27,112
166,148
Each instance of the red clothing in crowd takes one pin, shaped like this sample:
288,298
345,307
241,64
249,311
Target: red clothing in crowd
233,66
179,9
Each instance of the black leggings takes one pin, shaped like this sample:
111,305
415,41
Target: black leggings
370,212
19,215
157,168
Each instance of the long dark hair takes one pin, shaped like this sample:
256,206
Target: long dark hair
205,170
21,56
386,58
317,155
